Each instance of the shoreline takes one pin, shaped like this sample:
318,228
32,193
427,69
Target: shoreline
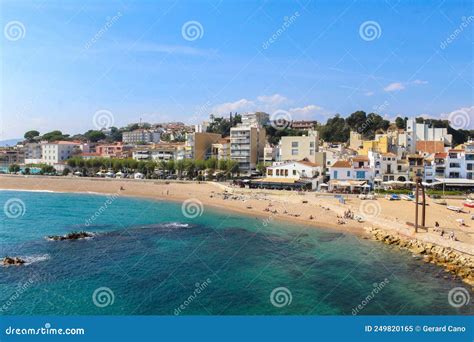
308,209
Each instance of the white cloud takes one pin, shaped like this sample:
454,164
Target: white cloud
242,105
275,99
305,111
420,82
396,86
268,104
369,93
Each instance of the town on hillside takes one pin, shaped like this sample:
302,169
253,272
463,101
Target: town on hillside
357,154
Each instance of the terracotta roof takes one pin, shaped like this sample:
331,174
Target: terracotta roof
441,155
360,158
308,163
456,150
389,154
342,163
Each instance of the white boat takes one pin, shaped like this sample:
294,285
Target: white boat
407,197
454,208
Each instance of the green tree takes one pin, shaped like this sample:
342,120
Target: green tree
54,136
47,169
94,136
400,123
335,130
31,135
14,168
180,167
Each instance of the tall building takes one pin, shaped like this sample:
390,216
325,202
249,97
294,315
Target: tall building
247,144
140,136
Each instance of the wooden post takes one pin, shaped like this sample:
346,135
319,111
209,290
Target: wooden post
423,209
416,205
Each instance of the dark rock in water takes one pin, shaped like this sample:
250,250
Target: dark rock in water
71,236
7,261
328,237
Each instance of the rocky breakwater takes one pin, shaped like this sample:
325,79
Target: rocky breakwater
454,262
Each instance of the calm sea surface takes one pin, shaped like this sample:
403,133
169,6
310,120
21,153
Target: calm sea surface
148,258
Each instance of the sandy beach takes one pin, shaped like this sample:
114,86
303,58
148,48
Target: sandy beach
318,210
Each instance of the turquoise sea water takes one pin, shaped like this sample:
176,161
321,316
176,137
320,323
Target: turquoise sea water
148,258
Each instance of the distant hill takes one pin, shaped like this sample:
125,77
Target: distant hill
10,142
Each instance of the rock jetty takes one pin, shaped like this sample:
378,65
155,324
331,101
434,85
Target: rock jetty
454,262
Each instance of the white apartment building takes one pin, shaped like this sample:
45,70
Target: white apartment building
141,136
58,152
384,167
422,132
460,163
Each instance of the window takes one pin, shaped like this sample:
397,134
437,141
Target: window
294,151
311,144
360,174
286,173
294,172
294,144
278,172
311,152
270,172
348,173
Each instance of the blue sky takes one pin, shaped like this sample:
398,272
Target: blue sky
56,75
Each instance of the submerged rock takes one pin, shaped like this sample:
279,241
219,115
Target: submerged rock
71,236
